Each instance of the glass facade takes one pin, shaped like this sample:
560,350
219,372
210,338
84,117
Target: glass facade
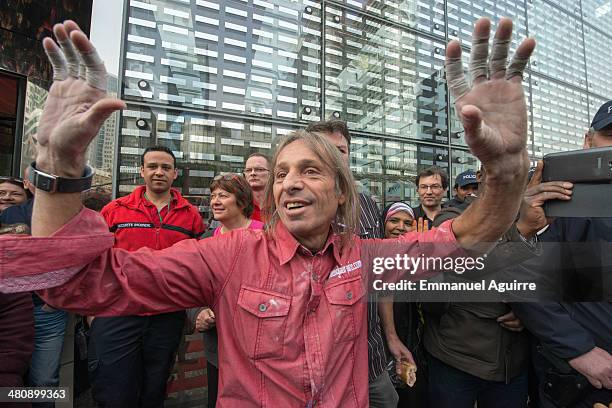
23,25
216,80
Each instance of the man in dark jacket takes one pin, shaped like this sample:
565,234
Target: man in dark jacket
477,351
465,186
573,357
130,357
431,184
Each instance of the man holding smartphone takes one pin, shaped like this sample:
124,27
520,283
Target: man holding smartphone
575,339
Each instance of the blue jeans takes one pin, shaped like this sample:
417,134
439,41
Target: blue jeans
450,387
50,328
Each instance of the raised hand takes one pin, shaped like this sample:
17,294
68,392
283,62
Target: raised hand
76,106
493,109
420,225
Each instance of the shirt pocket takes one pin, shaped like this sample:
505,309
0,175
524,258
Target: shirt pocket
346,313
262,321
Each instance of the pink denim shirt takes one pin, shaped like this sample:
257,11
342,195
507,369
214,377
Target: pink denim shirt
292,324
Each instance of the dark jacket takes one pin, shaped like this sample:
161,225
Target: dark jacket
420,213
576,263
467,336
129,219
18,214
582,263
456,202
577,267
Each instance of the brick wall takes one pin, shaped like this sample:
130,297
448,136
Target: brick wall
187,384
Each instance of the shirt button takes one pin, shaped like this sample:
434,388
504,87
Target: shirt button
315,277
262,307
349,295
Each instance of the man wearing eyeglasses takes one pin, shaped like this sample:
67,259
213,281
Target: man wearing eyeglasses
432,184
256,172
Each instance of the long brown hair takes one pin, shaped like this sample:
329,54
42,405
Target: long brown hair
346,221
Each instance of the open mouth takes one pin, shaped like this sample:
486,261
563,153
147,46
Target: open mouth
295,205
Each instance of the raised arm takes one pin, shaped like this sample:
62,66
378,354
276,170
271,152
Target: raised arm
78,270
494,115
75,110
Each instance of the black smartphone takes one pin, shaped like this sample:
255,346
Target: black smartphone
579,166
591,172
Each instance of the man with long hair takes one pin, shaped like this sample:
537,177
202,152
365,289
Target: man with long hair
288,299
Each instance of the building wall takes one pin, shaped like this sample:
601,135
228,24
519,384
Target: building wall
23,25
217,80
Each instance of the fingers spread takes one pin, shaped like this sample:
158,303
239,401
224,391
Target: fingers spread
72,58
480,50
454,71
499,50
96,72
57,59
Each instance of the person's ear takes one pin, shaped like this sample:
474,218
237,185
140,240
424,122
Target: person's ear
588,141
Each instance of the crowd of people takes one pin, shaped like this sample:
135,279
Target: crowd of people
278,283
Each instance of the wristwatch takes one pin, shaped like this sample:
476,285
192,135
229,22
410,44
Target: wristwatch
55,184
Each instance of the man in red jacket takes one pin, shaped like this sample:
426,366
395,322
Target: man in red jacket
130,357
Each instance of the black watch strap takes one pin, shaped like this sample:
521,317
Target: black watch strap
55,184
